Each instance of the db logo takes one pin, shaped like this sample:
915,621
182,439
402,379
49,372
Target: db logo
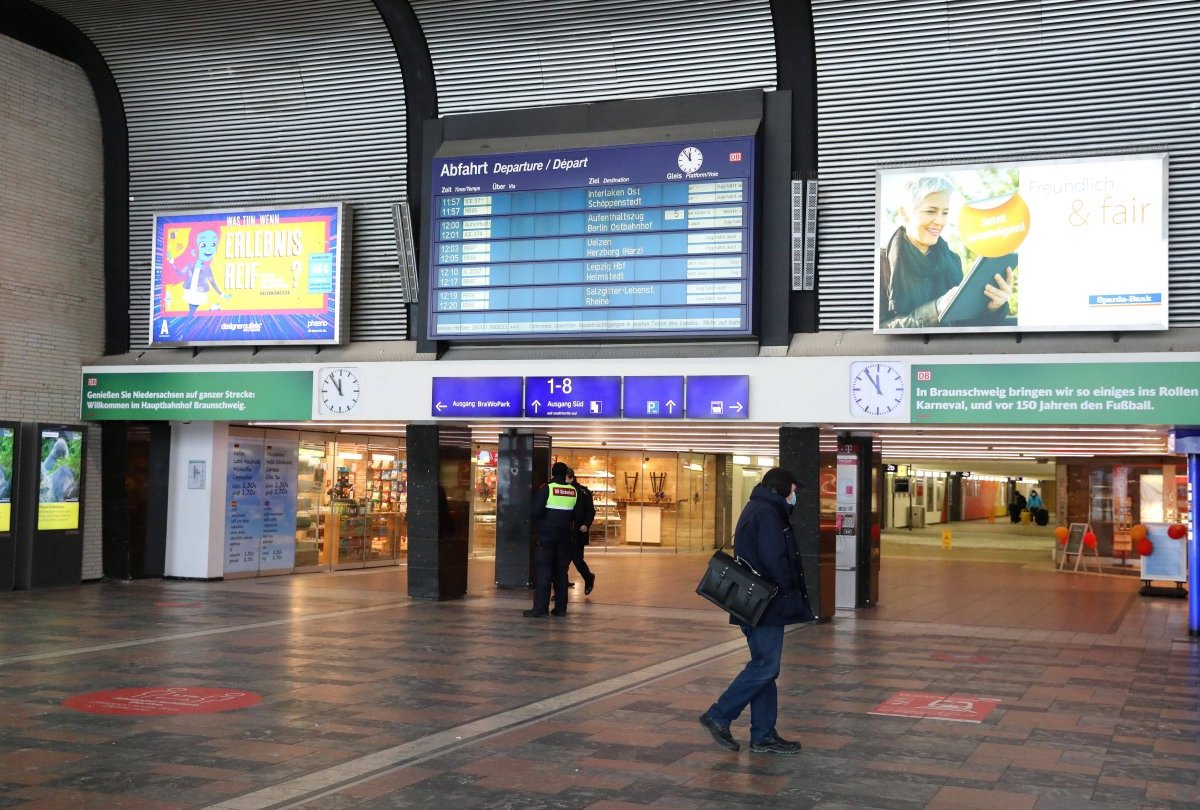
924,376
92,381
735,157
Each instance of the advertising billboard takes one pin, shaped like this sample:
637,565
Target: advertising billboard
7,445
61,472
630,240
1048,246
249,276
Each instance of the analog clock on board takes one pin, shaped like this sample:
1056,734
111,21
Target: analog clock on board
876,388
339,390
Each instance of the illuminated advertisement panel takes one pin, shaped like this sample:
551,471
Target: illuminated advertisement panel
1034,246
61,472
619,241
7,444
253,276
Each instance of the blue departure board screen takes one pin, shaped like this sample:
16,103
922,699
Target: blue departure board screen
616,241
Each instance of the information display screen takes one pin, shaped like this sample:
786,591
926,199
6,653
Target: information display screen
61,462
630,240
7,444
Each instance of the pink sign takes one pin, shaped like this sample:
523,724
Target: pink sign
937,707
162,700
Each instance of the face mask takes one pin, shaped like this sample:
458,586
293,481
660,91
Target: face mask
791,499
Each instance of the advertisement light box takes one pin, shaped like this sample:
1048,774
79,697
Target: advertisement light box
1038,246
7,446
617,241
61,471
249,276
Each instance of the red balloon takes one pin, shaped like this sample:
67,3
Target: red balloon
1145,547
1137,533
1089,540
1176,531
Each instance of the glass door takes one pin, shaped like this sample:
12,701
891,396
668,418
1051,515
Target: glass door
312,504
386,523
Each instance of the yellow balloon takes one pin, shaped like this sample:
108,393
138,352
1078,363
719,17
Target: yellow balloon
1137,533
1061,533
995,227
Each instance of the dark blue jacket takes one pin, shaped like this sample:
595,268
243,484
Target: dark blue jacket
764,539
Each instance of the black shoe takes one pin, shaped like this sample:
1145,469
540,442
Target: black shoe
591,583
533,614
720,734
775,744
558,613
570,584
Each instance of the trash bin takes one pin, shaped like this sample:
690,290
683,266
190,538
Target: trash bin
916,517
1024,517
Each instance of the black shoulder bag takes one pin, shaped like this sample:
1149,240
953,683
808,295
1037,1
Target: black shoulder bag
733,585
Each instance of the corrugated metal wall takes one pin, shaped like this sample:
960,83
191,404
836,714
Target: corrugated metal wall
494,54
274,101
944,80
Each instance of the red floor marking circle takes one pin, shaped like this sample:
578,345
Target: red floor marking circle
162,700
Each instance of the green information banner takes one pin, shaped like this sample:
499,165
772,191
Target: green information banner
216,396
1057,393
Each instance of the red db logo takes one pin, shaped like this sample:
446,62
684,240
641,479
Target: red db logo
92,380
735,157
924,376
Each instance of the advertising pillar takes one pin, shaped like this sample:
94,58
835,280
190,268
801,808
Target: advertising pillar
522,467
439,506
9,435
1187,440
49,543
857,541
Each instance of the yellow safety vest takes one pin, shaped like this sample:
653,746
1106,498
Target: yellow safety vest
561,496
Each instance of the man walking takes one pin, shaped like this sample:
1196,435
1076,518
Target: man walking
556,513
587,514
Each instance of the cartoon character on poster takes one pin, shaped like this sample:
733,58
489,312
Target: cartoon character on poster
187,268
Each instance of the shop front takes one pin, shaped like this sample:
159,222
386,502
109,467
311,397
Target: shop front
645,500
344,497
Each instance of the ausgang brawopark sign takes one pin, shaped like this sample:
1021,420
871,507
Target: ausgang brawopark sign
1057,393
197,395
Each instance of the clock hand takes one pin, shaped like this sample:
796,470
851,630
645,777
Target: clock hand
338,385
874,381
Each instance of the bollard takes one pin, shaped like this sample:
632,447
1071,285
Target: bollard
946,542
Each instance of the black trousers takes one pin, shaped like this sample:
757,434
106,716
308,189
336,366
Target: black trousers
553,557
580,565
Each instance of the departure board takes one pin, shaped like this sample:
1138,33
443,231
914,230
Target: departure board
616,241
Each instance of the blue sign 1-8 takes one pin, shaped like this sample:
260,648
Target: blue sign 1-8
573,397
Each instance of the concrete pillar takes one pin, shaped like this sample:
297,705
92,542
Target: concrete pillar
522,465
439,509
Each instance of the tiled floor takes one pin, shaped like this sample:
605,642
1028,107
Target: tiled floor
372,700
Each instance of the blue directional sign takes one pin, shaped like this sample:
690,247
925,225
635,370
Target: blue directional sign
653,398
476,396
573,397
718,397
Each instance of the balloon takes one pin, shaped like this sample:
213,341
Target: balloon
1145,547
1137,533
1089,540
1176,531
1062,534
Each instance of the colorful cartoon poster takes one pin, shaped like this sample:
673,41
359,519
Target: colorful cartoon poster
6,468
248,276
61,479
1046,246
243,505
279,469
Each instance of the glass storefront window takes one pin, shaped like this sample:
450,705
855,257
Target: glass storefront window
483,499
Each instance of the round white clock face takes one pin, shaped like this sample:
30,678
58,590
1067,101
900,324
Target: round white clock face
339,390
876,389
690,160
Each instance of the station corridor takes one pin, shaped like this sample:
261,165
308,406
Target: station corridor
1073,691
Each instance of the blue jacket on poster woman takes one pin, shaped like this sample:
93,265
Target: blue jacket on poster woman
764,538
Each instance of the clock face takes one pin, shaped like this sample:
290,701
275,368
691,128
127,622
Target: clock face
690,160
339,390
876,388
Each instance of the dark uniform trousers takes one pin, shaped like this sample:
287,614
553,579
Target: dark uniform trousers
553,558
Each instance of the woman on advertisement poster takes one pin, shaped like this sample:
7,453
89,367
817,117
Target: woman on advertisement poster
919,274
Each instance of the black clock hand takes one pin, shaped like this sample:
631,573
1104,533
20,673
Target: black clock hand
338,385
874,381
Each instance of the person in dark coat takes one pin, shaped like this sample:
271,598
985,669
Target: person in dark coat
556,513
764,539
587,514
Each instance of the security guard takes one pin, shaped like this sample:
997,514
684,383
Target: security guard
556,509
